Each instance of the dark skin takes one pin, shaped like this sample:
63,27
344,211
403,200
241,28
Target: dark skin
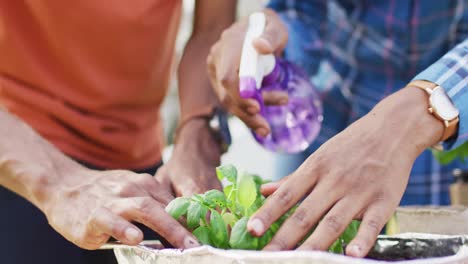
201,156
361,173
87,207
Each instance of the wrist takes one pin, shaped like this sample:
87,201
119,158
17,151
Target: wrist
43,184
215,123
31,181
408,118
196,126
197,136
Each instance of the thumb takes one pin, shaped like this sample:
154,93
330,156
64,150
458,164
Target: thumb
166,193
275,35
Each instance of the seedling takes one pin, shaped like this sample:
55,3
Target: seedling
220,218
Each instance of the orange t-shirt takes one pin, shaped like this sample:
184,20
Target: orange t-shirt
90,76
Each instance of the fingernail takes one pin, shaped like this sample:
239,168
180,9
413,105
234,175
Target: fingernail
132,234
190,243
256,226
252,110
261,132
355,251
265,43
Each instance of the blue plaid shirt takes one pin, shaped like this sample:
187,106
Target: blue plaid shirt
358,52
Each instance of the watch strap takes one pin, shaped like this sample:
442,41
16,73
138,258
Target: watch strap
209,113
450,126
205,112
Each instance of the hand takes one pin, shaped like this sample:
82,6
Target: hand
359,174
87,207
191,168
223,67
93,206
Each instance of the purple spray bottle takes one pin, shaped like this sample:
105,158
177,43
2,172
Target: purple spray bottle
293,126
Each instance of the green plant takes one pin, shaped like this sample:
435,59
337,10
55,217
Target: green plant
445,157
220,218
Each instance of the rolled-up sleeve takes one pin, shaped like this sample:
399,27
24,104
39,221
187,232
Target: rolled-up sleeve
451,72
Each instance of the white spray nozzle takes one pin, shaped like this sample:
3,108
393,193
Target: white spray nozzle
253,64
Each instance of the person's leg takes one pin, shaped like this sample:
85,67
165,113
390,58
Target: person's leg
26,237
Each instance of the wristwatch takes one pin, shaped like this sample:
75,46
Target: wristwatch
441,107
220,128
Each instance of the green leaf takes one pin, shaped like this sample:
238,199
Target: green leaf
337,247
247,190
194,215
258,203
215,198
227,171
228,191
241,238
202,233
259,181
350,232
178,207
445,157
346,237
229,219
198,197
218,230
265,239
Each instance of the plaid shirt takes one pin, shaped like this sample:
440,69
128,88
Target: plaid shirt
358,52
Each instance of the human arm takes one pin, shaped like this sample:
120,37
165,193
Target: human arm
83,205
293,30
196,153
362,172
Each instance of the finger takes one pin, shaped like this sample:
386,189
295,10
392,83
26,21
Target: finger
275,35
373,221
162,196
113,225
275,97
279,202
332,225
211,62
223,72
231,98
190,186
296,227
150,185
162,191
268,188
147,211
255,122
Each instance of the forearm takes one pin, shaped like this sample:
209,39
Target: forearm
29,165
195,92
405,114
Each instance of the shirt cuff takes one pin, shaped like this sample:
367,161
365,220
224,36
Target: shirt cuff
451,73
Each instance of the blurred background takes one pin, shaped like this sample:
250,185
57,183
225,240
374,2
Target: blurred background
244,151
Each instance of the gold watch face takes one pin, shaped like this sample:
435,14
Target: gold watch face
443,105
